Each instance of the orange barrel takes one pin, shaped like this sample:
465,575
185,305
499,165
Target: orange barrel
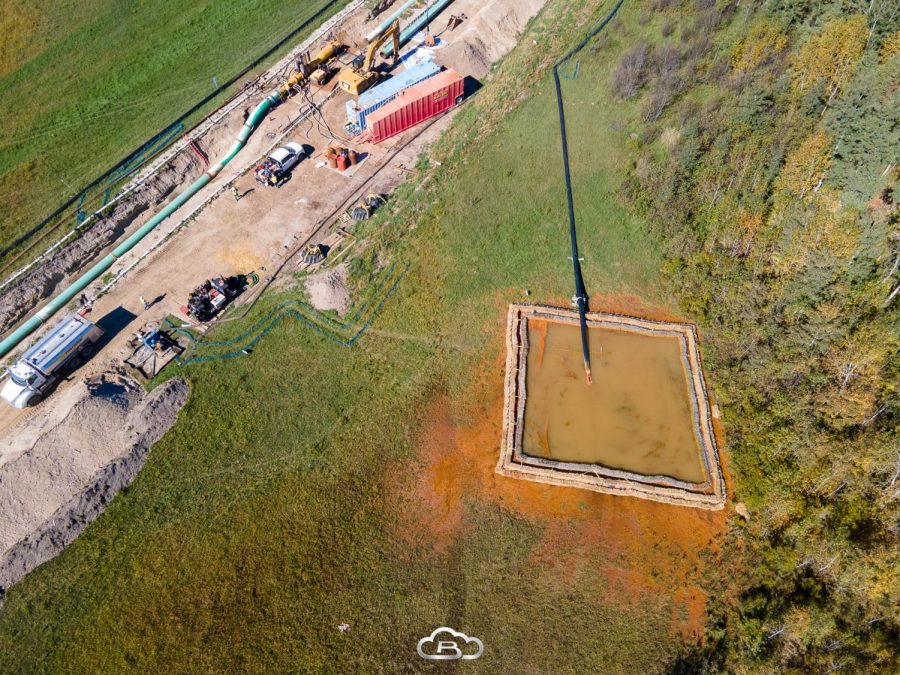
342,162
353,156
332,159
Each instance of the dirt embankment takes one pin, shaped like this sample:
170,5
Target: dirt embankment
328,289
137,207
487,35
52,492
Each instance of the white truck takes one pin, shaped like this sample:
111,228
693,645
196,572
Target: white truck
275,168
61,349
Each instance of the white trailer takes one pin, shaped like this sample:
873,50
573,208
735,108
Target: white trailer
62,348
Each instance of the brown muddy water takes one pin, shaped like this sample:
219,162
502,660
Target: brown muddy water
636,416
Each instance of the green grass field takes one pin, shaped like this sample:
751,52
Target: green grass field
284,502
83,84
308,484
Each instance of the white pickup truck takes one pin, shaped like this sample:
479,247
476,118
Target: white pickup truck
274,169
61,349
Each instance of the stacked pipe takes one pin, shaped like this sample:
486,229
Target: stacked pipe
384,25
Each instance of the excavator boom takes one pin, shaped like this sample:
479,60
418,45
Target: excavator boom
392,32
356,81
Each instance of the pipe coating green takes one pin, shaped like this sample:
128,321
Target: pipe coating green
13,339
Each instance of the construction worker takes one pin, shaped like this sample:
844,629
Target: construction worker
237,195
144,302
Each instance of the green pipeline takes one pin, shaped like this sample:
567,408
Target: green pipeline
61,300
418,24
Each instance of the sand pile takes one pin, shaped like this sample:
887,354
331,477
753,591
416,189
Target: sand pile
328,289
488,35
80,462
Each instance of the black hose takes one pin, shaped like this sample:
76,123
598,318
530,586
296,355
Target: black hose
580,291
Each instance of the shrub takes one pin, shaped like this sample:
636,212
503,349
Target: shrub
630,74
662,95
666,60
890,46
764,42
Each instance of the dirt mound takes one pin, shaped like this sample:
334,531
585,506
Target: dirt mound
488,36
52,491
328,289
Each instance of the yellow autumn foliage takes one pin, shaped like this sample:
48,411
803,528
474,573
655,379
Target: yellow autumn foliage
806,165
890,47
764,40
854,366
19,34
830,233
831,56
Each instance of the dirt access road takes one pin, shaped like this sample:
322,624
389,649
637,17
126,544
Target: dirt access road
255,233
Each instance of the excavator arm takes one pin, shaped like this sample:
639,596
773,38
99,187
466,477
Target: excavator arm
357,80
393,32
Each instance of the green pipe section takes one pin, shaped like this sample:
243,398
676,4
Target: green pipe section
13,339
384,25
418,23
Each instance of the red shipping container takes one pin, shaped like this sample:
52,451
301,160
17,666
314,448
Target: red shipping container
416,104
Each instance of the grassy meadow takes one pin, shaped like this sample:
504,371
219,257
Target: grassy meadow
303,484
308,484
84,84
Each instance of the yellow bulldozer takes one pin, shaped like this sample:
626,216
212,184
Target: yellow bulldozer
355,79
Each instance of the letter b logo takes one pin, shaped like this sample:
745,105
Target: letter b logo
448,649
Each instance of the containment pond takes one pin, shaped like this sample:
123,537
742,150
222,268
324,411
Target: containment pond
642,428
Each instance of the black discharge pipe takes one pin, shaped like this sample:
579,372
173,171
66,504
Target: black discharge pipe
580,291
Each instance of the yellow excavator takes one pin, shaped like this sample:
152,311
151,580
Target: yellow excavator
297,78
356,79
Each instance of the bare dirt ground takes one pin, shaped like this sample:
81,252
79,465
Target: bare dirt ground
261,232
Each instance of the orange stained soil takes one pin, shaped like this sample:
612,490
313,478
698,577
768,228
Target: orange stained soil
643,550
636,416
632,305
